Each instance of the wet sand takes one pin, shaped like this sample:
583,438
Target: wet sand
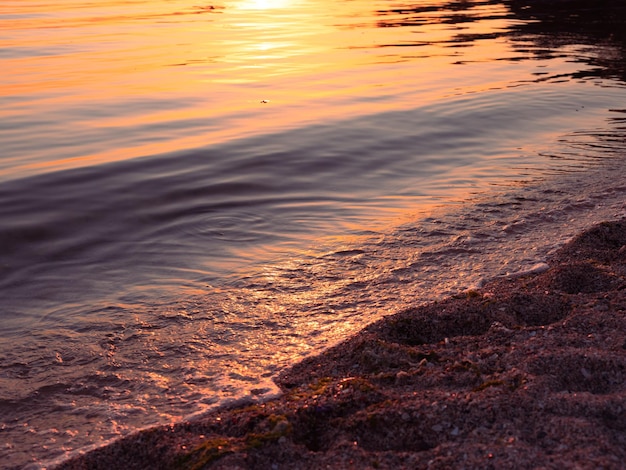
527,372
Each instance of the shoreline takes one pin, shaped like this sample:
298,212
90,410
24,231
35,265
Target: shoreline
527,371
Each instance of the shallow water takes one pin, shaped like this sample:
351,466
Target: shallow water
193,196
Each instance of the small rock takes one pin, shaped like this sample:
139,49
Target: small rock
586,373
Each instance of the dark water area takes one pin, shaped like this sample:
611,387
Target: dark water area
170,243
193,218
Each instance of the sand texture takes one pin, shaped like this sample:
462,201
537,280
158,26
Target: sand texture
528,372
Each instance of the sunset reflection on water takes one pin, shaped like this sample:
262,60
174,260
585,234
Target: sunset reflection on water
113,80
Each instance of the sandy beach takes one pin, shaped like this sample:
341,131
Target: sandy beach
528,372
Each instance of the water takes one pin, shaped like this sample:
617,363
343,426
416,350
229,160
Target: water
195,195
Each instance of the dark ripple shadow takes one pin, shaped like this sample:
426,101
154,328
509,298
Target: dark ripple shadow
545,27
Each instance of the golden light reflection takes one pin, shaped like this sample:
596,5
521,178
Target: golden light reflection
264,4
243,67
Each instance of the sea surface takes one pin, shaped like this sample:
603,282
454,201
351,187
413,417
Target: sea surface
194,195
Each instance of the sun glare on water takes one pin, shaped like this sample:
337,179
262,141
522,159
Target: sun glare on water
264,4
